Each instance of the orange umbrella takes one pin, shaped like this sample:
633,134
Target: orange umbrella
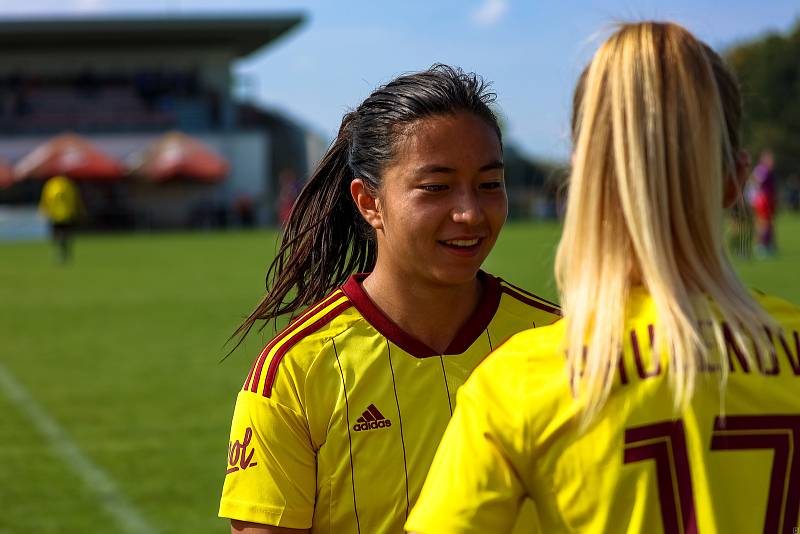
176,155
69,155
7,178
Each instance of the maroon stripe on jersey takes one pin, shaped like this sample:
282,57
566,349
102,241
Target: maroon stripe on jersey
471,331
374,411
481,317
446,387
292,341
250,374
290,328
532,295
523,297
400,419
349,438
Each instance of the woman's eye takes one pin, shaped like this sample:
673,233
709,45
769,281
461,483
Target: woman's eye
433,188
492,185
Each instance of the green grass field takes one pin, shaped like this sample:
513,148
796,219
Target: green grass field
121,350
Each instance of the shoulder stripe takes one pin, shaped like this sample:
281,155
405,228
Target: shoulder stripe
255,373
530,299
297,336
250,374
294,325
529,294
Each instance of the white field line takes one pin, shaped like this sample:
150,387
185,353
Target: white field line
94,478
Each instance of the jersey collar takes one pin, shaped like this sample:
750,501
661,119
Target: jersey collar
466,336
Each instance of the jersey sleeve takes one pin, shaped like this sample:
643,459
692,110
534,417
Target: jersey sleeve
271,474
472,485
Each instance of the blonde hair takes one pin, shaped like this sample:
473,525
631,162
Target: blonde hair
655,128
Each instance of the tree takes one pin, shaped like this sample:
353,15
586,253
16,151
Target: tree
769,71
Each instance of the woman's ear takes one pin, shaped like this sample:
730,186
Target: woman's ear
735,183
368,205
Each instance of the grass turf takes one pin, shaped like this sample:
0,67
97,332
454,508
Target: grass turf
122,349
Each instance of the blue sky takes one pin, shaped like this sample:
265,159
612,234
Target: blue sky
531,50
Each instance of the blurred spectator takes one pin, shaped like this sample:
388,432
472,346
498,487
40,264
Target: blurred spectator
245,210
61,204
764,202
287,194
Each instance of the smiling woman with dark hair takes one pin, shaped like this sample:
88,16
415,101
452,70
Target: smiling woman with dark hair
340,415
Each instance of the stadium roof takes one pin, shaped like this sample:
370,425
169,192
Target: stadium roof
242,33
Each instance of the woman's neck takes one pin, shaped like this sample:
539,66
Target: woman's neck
432,313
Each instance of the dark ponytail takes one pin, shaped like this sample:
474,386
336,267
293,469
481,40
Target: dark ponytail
326,239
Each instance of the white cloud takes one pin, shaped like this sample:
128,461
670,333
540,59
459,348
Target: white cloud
490,12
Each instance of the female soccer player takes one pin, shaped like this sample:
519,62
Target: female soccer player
677,408
339,417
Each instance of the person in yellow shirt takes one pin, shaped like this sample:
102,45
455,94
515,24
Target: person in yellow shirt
61,204
677,406
339,417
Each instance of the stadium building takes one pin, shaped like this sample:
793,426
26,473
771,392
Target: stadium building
124,82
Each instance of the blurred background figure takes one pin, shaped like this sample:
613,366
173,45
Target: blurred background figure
763,199
287,194
61,204
244,206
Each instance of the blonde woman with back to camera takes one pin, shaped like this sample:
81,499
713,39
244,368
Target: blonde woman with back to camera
677,407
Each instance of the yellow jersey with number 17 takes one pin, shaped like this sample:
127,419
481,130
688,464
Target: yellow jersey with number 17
340,415
639,467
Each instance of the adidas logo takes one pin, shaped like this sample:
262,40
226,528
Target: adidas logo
371,419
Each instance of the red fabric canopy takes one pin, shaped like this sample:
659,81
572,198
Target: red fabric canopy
6,174
176,155
69,155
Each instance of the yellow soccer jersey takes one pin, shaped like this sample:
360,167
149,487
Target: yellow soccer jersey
639,467
340,415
